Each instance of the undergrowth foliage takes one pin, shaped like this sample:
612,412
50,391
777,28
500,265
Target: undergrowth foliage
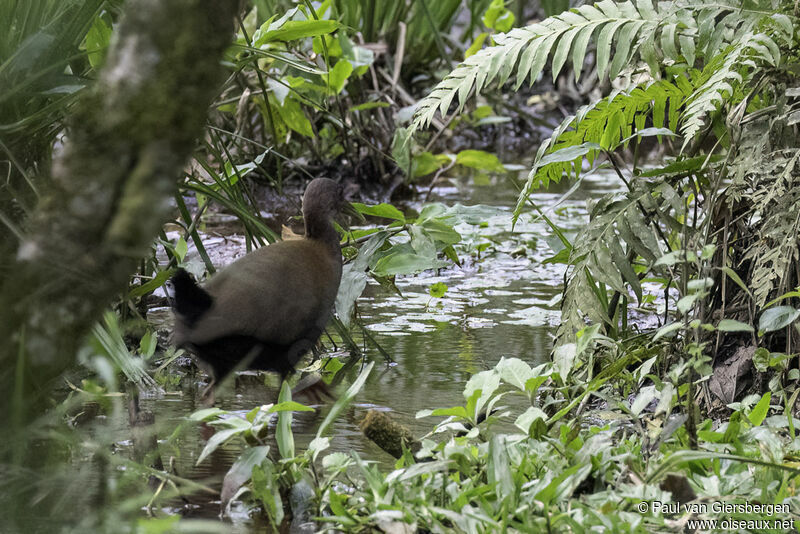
714,82
692,73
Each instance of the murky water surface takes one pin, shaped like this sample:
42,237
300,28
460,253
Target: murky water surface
501,304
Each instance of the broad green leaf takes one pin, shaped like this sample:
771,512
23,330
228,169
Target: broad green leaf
650,132
476,45
148,287
777,318
426,163
283,431
292,114
241,470
498,17
354,277
528,417
479,159
564,358
760,410
417,470
666,329
207,414
730,325
181,248
645,397
387,211
406,263
318,445
455,411
514,372
265,488
735,277
687,48
564,484
533,383
289,406
337,77
478,391
620,260
761,359
148,344
687,303
97,40
440,231
789,294
569,153
499,469
220,437
337,504
295,29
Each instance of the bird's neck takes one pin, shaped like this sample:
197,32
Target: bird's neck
321,229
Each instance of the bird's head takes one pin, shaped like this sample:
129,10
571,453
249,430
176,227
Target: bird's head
323,198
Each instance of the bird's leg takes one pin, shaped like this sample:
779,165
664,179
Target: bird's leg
296,351
314,388
207,396
311,386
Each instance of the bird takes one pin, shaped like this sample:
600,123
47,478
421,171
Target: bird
268,308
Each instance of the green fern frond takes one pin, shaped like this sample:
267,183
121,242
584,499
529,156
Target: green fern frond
566,36
775,198
611,120
723,72
599,257
604,125
623,33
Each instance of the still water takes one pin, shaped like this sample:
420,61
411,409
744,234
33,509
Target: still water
503,302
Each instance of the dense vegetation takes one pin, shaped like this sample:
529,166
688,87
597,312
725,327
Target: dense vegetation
693,106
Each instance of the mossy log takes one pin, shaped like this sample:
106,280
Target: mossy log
388,434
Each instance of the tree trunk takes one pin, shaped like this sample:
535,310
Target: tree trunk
109,190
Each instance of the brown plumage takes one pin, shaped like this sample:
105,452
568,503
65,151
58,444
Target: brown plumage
267,309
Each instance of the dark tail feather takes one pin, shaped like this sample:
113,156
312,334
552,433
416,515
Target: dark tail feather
190,301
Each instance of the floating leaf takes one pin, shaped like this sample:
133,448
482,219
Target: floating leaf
437,290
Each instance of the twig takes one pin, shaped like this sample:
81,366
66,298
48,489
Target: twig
399,55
